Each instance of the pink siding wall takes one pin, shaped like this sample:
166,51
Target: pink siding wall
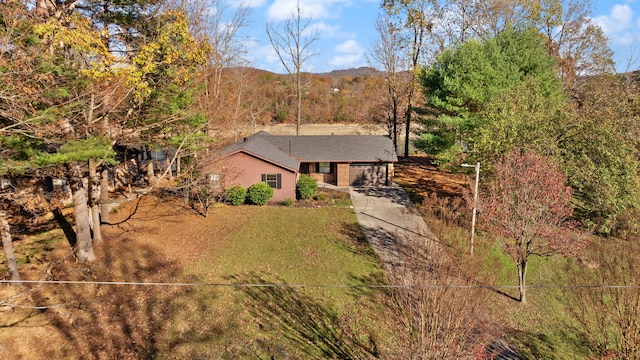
247,170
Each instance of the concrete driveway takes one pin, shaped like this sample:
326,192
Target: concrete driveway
394,228
391,223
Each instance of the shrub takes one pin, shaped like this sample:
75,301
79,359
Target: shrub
322,196
287,202
236,195
259,193
306,187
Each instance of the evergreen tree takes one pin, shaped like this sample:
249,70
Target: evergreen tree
471,82
67,97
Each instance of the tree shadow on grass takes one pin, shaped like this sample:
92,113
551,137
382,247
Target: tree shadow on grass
66,227
542,346
357,241
109,321
304,325
370,287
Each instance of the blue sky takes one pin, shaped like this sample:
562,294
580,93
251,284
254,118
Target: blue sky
346,31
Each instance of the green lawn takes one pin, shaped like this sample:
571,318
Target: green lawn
559,321
303,265
320,247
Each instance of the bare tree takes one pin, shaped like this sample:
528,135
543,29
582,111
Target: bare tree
572,37
222,26
387,51
293,43
413,17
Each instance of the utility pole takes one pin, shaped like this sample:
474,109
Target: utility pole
475,201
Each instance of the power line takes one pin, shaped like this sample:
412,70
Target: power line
328,286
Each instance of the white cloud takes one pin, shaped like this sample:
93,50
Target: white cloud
619,19
325,30
315,9
252,3
350,46
345,61
350,54
619,25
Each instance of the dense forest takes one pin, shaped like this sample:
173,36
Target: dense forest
528,89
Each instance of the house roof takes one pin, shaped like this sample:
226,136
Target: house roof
289,151
336,148
261,148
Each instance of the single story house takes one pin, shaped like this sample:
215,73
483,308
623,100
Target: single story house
340,160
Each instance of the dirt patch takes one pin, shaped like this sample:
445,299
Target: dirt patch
151,239
322,129
421,177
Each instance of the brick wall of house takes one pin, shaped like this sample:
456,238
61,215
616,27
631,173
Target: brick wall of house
313,174
343,174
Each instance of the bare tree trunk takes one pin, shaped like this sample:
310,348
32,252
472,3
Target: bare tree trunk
84,246
395,123
104,196
298,98
168,164
7,245
407,131
522,281
94,197
293,49
150,174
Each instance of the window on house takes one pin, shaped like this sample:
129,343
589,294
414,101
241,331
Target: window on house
324,168
273,180
215,179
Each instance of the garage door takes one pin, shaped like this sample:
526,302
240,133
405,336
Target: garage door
367,174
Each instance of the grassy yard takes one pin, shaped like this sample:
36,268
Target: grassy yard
560,320
322,247
542,328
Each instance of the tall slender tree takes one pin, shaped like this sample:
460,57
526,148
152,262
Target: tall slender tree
413,16
387,51
293,43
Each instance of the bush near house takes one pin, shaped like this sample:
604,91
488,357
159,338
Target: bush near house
259,193
236,195
306,187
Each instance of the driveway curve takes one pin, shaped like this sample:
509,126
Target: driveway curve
395,229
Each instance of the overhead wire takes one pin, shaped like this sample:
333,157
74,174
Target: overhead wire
328,286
